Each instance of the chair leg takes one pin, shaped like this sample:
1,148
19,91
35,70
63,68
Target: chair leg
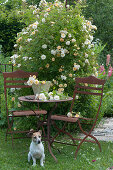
6,135
62,131
11,136
10,125
43,130
87,135
45,136
79,146
12,140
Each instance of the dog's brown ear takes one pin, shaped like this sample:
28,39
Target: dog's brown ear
40,131
30,133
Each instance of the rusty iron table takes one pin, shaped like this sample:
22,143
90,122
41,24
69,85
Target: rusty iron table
31,98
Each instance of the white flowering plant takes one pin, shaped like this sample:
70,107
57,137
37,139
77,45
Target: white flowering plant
74,114
52,95
33,80
58,45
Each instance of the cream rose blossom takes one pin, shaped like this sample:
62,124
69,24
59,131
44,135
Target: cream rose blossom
43,57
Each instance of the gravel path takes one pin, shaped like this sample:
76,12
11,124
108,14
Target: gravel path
104,131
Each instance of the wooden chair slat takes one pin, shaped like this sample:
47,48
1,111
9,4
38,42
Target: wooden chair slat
15,81
19,74
90,80
88,93
17,86
88,87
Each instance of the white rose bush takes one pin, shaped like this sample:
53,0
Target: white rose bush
58,45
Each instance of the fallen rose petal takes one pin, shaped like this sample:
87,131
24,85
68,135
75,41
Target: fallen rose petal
111,167
93,160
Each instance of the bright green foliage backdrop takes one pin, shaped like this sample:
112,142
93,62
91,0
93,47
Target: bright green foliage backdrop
101,13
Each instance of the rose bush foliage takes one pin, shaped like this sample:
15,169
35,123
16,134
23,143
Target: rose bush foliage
58,45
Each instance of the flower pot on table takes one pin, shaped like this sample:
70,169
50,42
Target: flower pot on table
38,88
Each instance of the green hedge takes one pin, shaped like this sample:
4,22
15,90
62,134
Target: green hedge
14,15
101,12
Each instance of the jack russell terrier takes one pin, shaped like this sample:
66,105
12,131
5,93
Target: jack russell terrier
36,149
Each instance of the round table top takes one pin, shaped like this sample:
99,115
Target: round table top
31,98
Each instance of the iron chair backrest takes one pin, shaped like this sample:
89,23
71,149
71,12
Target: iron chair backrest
82,87
14,83
5,67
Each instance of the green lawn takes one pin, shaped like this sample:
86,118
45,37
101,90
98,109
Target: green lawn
16,158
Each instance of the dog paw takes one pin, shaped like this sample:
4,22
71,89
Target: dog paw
34,165
42,164
29,160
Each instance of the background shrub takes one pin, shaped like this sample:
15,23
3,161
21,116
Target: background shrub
106,72
36,2
14,15
107,106
101,13
45,37
75,28
61,61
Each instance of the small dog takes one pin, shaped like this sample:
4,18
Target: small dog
36,149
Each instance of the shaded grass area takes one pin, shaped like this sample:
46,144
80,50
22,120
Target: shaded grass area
16,158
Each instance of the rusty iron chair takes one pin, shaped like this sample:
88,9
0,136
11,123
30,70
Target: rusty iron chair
85,86
17,79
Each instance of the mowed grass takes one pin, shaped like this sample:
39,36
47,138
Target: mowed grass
16,158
